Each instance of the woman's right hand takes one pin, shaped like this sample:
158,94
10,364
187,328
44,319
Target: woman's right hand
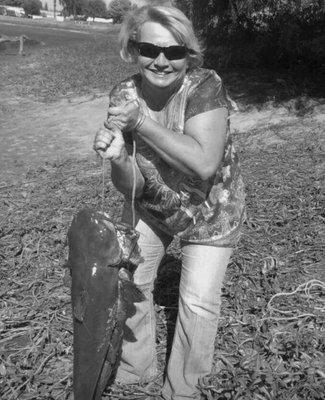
109,143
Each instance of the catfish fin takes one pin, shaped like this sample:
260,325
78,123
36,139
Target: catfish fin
131,293
128,295
128,334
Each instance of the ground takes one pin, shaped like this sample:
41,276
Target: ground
38,133
271,336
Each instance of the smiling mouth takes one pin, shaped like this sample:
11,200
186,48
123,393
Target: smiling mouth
160,73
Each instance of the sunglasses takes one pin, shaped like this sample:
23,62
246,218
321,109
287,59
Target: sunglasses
150,50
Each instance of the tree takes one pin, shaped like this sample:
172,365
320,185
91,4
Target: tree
259,33
73,7
96,9
13,3
32,7
118,9
186,6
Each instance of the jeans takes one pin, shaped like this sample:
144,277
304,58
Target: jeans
203,270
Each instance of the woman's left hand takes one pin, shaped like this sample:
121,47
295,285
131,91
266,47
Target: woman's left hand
125,117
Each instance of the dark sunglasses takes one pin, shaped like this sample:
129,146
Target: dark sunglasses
152,51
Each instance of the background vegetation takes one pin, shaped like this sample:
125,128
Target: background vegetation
77,8
276,35
116,9
31,7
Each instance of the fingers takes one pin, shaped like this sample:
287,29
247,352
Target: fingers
116,147
114,123
123,117
123,112
115,110
103,139
109,143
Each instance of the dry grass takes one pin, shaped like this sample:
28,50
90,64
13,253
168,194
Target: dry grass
65,66
271,337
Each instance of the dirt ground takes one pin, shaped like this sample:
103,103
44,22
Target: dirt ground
37,133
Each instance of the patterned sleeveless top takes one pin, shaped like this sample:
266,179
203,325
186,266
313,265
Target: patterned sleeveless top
210,211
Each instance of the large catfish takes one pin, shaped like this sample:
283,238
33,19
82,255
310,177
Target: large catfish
102,257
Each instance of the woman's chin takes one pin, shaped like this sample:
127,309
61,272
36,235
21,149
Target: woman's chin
160,81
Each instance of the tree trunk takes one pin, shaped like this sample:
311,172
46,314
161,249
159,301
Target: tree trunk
200,16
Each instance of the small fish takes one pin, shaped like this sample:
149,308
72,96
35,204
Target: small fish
102,258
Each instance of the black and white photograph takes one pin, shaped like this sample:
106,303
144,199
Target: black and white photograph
162,173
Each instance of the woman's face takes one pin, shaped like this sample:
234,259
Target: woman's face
160,72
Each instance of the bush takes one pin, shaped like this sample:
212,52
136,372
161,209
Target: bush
32,7
279,37
13,3
118,9
73,7
96,9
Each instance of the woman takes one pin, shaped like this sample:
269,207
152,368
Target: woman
185,181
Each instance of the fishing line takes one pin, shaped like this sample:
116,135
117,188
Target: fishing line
103,166
134,182
103,184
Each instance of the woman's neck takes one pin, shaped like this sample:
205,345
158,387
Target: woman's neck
157,98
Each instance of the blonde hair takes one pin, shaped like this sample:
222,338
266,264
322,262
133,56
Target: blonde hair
168,16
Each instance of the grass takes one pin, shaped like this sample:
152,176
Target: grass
49,74
271,339
271,336
65,68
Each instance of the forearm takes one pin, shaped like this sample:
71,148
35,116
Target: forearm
198,151
122,174
179,151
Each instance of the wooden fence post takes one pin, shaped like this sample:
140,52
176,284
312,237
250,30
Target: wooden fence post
21,45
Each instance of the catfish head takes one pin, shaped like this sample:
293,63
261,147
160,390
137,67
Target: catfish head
93,238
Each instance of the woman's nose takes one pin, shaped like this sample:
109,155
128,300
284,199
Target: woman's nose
161,61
